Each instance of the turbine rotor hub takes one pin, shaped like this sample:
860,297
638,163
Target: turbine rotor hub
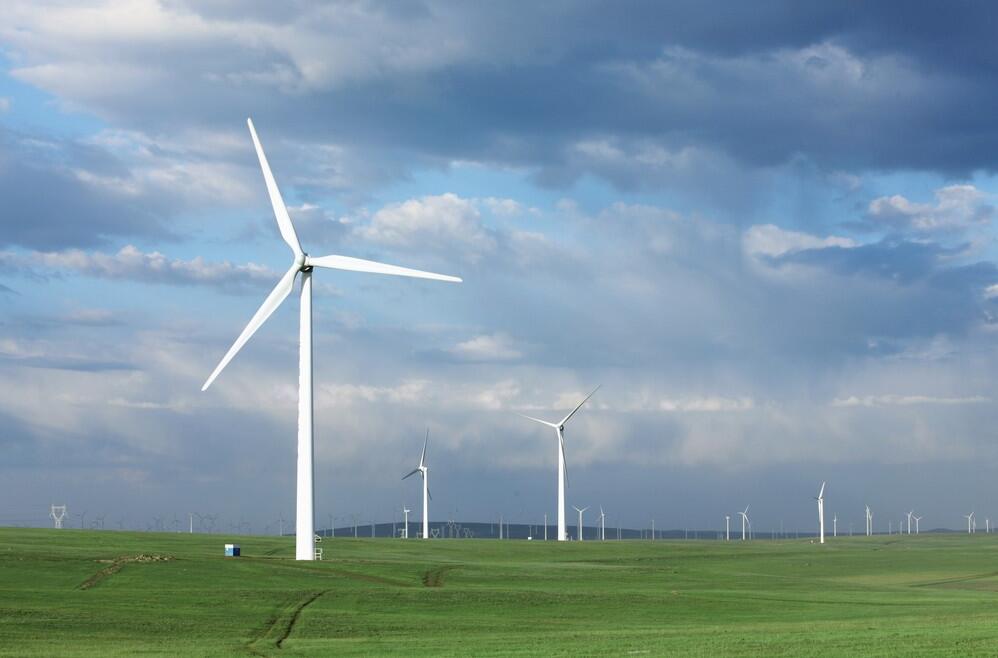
300,260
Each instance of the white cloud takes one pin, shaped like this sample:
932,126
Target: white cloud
494,347
319,48
431,222
771,240
502,207
186,166
904,400
957,207
132,264
707,404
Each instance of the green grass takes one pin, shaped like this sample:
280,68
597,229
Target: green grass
72,592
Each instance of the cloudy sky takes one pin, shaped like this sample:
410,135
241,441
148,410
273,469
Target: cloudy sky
767,230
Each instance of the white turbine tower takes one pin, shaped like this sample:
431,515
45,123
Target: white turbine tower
821,512
745,521
835,525
602,524
424,472
727,527
910,514
917,519
869,521
580,511
303,264
970,522
559,427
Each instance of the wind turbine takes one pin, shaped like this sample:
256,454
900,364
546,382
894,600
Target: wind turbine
917,519
602,524
405,532
821,511
970,521
869,521
559,427
835,525
910,514
745,521
727,527
580,511
424,471
303,264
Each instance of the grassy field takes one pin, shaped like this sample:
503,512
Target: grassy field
72,592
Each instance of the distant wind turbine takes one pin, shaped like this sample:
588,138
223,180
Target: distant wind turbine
835,525
580,511
727,527
424,472
869,521
821,512
910,514
602,524
303,264
405,532
970,522
745,521
917,519
559,427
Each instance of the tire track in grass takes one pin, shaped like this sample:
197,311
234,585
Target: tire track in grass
115,565
956,579
281,625
435,577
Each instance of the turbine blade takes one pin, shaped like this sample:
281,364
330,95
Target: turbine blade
360,265
280,210
536,420
822,492
410,473
428,494
565,419
274,299
422,457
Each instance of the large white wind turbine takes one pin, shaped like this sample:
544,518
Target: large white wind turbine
970,522
910,514
303,264
821,512
559,427
580,511
745,521
917,519
424,471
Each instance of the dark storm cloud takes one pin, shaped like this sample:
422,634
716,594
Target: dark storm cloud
565,88
48,206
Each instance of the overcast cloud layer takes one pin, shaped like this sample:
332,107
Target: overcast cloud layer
767,231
